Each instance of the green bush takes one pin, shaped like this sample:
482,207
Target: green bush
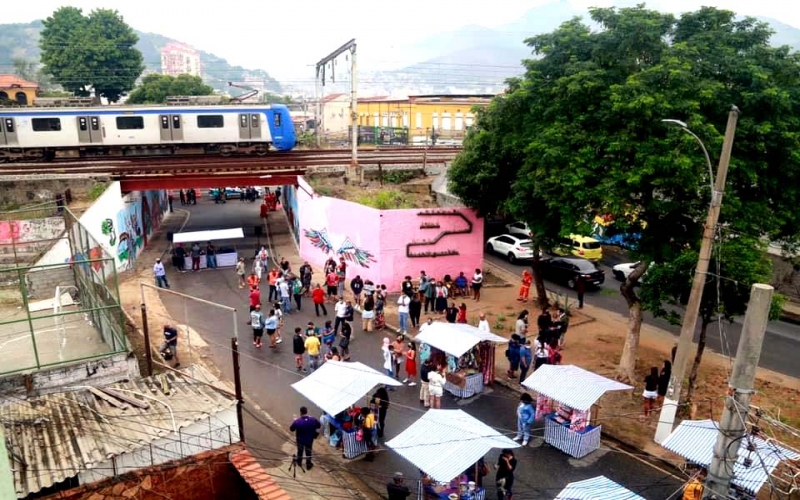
96,190
398,176
385,200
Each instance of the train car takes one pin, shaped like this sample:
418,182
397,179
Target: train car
102,131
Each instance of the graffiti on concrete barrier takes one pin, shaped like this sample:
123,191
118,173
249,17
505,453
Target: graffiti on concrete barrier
348,251
107,228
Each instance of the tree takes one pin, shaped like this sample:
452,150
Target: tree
155,88
94,52
581,134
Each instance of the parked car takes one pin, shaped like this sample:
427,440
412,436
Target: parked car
518,229
622,271
513,247
579,246
567,270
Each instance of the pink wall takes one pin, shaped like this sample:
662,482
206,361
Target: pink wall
374,241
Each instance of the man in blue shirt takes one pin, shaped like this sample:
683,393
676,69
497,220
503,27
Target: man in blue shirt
306,429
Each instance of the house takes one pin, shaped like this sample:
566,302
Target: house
86,434
17,90
335,114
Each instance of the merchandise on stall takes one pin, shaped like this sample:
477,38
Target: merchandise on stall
226,253
566,397
468,352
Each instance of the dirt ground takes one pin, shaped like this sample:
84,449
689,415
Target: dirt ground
393,194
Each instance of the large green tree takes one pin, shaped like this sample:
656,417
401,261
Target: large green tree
94,52
156,88
590,139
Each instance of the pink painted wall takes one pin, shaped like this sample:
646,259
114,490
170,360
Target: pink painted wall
374,241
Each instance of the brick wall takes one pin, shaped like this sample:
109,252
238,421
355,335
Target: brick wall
205,476
42,282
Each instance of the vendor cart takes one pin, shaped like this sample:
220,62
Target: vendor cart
469,353
566,396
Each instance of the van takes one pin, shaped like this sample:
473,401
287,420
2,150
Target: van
580,246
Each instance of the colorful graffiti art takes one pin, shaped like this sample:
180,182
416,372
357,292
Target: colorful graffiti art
131,240
107,228
348,251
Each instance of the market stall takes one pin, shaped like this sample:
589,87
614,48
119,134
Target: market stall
226,253
467,351
566,396
336,387
596,488
445,445
757,459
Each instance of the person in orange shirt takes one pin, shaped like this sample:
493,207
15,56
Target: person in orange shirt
252,281
694,488
273,283
525,288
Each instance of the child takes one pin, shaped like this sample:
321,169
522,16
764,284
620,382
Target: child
279,315
328,336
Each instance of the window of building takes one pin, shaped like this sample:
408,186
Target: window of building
3,95
470,119
210,121
277,120
446,122
419,120
22,98
436,120
130,123
46,124
459,121
406,120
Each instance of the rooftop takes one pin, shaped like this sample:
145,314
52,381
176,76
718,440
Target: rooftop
13,81
55,437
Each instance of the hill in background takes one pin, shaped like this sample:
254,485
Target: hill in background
22,41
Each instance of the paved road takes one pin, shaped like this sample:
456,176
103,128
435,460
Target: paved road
267,375
782,340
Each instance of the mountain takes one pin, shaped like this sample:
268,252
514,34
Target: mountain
22,41
476,59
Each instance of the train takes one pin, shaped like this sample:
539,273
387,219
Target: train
110,131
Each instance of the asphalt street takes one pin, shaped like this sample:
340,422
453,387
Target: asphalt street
781,345
267,375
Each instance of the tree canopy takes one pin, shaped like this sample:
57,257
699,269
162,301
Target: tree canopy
581,133
155,88
94,52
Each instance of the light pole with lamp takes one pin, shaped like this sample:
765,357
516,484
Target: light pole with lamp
670,407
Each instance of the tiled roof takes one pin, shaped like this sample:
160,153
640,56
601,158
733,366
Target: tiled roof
332,97
9,81
60,435
262,483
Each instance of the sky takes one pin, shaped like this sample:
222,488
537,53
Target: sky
286,39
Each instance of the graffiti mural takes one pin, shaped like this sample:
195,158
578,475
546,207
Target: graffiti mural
107,228
130,240
350,252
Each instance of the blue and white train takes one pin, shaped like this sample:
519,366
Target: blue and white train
47,133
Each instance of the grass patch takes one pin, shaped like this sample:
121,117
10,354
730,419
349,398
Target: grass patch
385,200
95,191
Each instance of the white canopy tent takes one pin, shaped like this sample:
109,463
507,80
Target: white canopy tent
444,443
337,385
596,488
212,235
571,385
455,338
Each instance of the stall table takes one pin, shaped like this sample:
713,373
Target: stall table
227,256
443,493
472,385
572,392
351,447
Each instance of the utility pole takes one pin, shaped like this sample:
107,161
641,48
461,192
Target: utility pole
148,354
347,47
237,384
737,404
686,339
317,112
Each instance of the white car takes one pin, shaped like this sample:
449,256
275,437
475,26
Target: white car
622,271
518,229
512,247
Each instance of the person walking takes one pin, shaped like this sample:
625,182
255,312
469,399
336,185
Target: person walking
344,342
271,326
403,303
415,310
297,292
424,393
170,343
257,322
195,256
312,345
525,417
525,359
306,430
240,272
525,287
650,393
160,274
396,489
340,309
255,299
318,297
504,479
580,289
298,348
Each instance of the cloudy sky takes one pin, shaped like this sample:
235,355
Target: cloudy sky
287,38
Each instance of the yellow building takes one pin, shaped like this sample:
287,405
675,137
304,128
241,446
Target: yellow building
448,115
17,90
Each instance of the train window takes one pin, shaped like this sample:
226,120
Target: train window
243,121
95,123
9,125
255,121
277,119
46,124
210,121
176,121
82,124
129,123
165,122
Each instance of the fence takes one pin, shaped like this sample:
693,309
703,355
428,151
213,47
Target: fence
59,296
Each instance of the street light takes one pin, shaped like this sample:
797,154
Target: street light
685,128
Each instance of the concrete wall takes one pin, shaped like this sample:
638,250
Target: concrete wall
41,282
291,206
104,371
26,190
374,242
27,238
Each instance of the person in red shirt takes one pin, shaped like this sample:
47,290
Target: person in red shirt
264,209
332,281
318,296
255,298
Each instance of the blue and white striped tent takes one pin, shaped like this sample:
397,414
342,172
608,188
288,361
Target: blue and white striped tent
571,385
596,488
694,440
444,443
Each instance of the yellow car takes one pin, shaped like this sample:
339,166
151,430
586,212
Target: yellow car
580,246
